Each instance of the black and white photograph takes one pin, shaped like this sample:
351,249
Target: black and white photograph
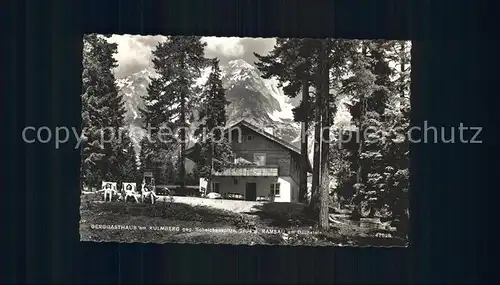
249,141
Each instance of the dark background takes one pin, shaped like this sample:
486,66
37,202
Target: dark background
449,85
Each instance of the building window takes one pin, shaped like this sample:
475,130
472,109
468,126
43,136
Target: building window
216,187
249,138
259,159
275,189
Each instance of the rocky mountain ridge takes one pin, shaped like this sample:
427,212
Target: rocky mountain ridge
257,100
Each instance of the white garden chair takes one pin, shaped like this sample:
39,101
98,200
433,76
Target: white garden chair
109,189
130,190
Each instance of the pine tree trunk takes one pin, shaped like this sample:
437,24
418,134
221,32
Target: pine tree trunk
314,203
182,170
371,214
303,146
325,142
211,164
359,172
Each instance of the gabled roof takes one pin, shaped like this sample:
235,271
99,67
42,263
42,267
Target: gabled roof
267,135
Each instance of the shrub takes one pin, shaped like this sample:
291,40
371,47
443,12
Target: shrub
285,214
301,239
244,223
170,210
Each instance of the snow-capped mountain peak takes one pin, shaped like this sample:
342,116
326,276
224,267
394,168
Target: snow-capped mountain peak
240,74
240,64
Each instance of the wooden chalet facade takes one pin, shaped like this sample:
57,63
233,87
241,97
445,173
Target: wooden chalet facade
272,171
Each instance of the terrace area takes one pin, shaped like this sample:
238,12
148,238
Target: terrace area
249,170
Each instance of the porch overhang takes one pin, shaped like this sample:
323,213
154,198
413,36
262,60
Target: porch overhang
251,170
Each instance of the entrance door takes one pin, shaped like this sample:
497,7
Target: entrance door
251,192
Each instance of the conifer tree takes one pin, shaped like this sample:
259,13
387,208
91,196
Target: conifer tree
361,86
92,152
373,155
373,127
395,182
155,146
395,177
178,62
102,107
378,108
215,148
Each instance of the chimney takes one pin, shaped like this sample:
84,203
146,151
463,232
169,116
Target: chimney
269,130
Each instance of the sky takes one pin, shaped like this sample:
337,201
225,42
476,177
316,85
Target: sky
134,51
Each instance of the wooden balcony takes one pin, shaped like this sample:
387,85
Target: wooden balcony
250,170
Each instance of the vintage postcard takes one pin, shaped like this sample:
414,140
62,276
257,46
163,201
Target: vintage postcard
273,141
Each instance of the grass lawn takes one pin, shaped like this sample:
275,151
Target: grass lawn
168,221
